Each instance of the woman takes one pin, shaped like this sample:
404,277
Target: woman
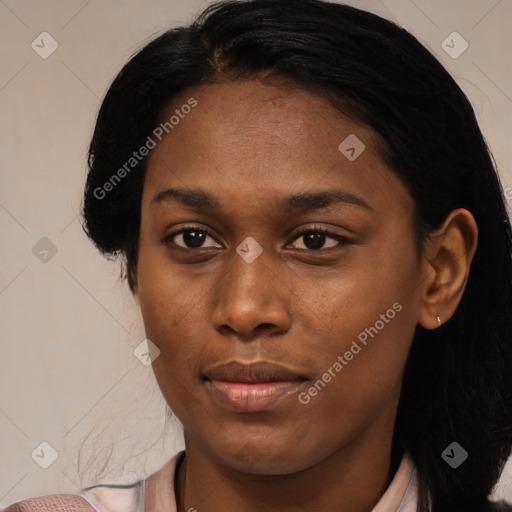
317,238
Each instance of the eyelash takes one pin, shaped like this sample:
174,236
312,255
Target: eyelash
315,229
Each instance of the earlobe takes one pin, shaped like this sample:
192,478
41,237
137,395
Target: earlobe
449,254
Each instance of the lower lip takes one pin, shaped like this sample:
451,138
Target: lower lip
244,397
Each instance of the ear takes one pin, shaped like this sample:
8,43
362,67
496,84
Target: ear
448,255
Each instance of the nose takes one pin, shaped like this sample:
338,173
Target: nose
252,298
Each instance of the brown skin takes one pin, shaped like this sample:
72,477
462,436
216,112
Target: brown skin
250,145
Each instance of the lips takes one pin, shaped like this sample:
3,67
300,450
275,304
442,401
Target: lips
251,373
251,387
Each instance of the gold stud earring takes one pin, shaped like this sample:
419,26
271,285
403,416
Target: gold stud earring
438,320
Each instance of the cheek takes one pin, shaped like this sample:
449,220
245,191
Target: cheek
164,296
170,317
167,304
365,321
359,374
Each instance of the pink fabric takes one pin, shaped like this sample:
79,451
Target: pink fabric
402,493
51,503
112,499
159,488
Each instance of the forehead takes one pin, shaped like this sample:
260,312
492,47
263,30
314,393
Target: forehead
259,139
262,114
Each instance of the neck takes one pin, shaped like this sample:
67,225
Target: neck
350,480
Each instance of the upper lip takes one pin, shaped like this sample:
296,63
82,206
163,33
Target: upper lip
251,373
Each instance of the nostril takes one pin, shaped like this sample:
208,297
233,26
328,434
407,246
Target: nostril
264,326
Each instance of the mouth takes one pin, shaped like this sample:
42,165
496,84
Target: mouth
251,387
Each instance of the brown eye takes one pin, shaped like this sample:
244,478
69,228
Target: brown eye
190,238
315,239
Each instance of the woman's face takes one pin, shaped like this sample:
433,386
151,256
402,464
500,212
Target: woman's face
245,285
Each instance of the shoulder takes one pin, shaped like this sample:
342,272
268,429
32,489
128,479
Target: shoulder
51,503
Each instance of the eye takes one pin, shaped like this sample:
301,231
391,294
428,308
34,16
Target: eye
315,238
190,238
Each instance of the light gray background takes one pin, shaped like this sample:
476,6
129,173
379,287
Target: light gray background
68,375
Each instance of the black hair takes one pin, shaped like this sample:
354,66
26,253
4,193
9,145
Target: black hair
457,383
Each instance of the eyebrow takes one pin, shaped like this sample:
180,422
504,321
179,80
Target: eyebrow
305,201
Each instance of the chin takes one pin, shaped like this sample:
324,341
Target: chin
260,458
